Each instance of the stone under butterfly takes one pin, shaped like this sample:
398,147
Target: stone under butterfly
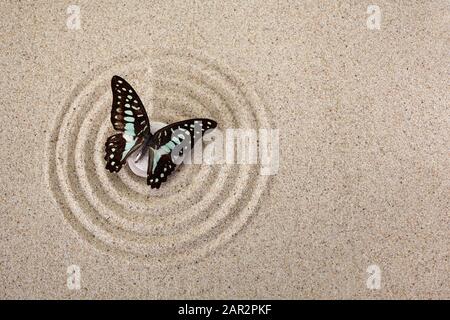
128,116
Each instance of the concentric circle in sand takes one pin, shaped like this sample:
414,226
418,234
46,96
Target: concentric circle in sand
200,207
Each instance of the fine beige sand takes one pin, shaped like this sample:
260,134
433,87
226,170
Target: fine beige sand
363,180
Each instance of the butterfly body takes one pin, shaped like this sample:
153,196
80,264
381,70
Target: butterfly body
128,115
145,147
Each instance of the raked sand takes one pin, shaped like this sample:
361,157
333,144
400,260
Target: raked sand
359,206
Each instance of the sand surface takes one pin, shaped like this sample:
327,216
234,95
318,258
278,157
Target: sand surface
363,178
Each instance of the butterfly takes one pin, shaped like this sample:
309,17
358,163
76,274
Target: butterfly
128,116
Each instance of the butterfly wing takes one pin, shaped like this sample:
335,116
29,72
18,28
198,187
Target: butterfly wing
127,115
118,149
159,173
166,139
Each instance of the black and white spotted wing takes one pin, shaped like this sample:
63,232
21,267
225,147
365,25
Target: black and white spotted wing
165,142
127,115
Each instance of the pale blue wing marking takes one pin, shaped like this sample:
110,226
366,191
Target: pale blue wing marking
176,140
165,149
171,145
128,147
156,157
129,129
